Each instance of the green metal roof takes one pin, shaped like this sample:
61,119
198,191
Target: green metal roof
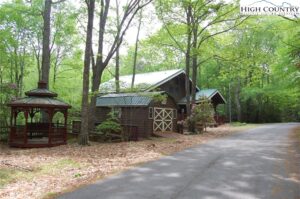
208,93
126,99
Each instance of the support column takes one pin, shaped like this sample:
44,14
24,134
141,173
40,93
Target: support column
11,126
65,129
50,130
25,130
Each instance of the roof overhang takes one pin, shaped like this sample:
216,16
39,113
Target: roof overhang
210,96
126,99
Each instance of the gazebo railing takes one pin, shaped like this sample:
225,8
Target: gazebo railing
58,134
38,133
17,134
37,130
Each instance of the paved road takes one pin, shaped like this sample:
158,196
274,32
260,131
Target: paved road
254,164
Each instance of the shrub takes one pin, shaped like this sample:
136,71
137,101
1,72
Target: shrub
202,113
110,125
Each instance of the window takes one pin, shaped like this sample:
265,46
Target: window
150,114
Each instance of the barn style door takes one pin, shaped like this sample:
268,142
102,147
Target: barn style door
163,119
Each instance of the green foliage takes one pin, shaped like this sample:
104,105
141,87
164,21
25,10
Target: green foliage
256,64
203,113
110,125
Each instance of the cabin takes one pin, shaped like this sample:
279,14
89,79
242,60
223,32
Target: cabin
140,111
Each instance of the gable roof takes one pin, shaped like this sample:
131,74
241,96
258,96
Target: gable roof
143,81
126,99
208,93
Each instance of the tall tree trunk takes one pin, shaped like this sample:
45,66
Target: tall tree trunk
56,64
195,63
238,100
117,72
100,65
84,136
22,68
46,42
136,50
187,60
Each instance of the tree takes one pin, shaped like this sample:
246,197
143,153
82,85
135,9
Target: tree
201,17
136,49
46,42
83,138
130,10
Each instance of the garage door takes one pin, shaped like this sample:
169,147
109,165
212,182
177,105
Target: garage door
163,119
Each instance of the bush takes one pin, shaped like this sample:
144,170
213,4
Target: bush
202,113
110,128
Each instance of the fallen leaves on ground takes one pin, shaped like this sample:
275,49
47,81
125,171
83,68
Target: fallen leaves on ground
38,173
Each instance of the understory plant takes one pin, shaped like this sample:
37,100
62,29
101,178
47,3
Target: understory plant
110,125
201,115
110,128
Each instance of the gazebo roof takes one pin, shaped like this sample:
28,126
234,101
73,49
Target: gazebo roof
40,97
39,102
41,91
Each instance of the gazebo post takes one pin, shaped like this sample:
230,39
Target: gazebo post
65,129
25,130
50,111
11,125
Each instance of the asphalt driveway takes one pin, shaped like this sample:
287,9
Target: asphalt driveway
259,163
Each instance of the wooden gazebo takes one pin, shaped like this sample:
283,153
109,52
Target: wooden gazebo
33,119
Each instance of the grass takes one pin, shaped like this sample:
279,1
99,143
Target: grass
8,175
238,124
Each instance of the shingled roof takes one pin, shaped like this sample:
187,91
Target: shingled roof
143,81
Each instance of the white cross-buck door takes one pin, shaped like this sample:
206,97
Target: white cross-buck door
163,119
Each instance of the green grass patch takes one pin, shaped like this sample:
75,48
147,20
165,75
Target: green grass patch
7,176
58,165
238,124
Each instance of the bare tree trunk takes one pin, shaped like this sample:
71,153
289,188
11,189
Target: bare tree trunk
100,65
136,50
187,61
237,100
117,73
22,68
56,64
46,42
84,136
194,62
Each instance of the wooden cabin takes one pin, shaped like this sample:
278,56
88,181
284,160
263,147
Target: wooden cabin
170,82
139,112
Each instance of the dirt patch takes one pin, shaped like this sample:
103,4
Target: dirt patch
46,172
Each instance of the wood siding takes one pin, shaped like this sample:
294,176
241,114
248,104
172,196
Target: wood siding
175,87
138,116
